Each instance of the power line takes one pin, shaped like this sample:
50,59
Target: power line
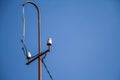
24,47
47,70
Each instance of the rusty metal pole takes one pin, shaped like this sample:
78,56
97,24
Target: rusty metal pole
39,51
39,41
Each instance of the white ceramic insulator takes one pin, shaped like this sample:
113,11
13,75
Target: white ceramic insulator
49,42
28,54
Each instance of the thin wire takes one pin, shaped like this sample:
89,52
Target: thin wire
34,55
47,70
24,51
23,24
24,47
44,57
23,32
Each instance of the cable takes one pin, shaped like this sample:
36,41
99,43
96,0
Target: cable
44,57
23,32
23,24
24,47
47,70
24,51
34,55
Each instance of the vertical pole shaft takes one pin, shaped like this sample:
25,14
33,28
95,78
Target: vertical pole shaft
39,51
39,69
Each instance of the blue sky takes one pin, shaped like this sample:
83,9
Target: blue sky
85,33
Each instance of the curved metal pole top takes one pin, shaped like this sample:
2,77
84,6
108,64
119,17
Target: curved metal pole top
33,3
38,11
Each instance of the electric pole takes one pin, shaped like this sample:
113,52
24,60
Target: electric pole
40,53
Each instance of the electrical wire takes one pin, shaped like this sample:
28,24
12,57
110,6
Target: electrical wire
44,57
24,51
47,70
23,32
23,24
34,55
24,47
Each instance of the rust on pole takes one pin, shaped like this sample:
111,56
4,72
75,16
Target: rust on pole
39,41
